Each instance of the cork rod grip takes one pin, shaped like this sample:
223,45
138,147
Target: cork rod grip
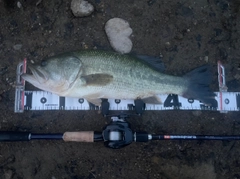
85,136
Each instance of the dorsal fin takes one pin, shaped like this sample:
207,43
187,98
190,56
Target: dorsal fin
154,62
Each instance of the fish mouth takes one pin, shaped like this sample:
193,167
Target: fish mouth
38,75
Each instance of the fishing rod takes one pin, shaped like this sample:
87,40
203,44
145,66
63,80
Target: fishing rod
117,134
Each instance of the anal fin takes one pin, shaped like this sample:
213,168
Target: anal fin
152,100
96,102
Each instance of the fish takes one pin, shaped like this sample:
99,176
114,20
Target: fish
97,74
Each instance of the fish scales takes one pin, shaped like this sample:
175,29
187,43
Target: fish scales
130,75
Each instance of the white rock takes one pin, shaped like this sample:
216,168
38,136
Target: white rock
19,5
81,8
17,47
118,32
206,58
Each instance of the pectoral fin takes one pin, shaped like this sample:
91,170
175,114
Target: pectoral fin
152,100
100,79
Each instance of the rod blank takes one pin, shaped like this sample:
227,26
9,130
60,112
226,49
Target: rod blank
195,137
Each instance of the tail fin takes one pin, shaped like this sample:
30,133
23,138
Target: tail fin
198,88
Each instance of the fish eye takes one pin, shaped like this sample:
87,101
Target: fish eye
43,63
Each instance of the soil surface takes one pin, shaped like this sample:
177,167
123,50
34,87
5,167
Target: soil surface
186,34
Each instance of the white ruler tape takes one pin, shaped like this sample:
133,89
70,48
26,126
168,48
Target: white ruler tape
42,100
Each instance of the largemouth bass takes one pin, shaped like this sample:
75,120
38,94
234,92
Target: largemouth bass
95,74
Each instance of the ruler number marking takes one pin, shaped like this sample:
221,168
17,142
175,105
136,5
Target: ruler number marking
172,101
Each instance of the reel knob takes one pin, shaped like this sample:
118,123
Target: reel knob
117,134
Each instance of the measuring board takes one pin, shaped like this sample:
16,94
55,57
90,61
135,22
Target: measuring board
43,100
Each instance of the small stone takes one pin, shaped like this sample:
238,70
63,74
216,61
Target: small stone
19,5
38,2
118,32
179,36
84,45
167,44
237,76
17,47
206,58
155,160
197,113
8,174
81,8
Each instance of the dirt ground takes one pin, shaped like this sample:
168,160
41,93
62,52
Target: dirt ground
185,33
